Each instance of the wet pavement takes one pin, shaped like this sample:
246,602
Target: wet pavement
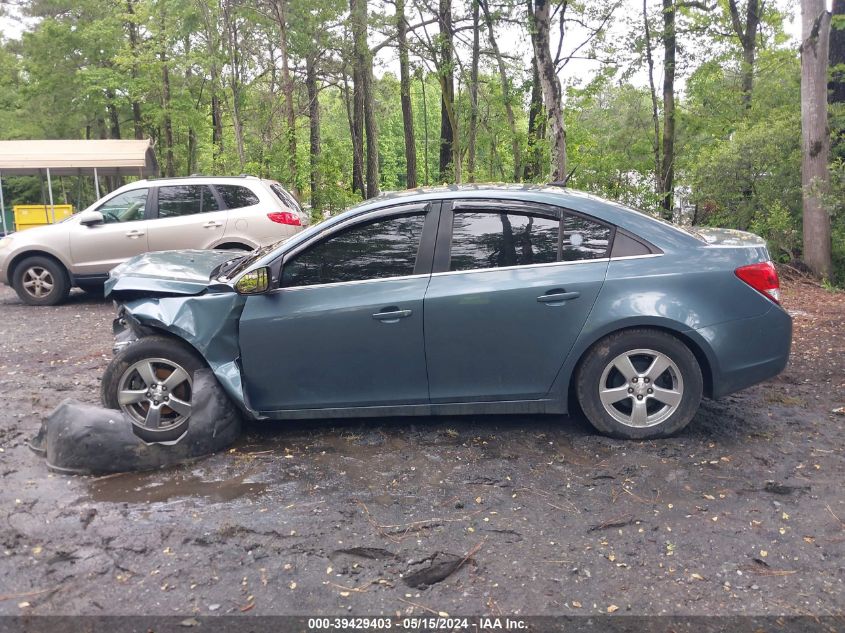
742,513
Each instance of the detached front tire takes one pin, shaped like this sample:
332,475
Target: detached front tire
41,281
639,384
151,381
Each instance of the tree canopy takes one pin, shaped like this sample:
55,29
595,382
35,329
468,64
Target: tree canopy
690,110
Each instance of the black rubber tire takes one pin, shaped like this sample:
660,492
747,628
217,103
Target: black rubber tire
61,281
603,352
167,347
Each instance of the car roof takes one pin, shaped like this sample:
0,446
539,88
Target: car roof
628,218
199,178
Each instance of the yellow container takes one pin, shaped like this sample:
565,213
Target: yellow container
28,216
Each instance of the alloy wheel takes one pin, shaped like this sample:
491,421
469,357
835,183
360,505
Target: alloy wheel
641,388
37,282
156,394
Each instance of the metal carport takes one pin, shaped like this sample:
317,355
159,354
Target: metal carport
73,158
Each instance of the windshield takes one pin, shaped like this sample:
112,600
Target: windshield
237,265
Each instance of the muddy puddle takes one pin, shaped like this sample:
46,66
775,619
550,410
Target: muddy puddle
170,485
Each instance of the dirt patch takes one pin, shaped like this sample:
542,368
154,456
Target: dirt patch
742,513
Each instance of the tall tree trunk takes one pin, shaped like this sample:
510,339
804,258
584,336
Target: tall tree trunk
473,92
747,35
536,123
364,101
114,115
667,172
506,93
169,166
114,132
192,134
212,49
132,27
836,86
355,114
447,93
655,117
372,131
314,132
281,8
425,128
815,141
552,97
405,92
233,46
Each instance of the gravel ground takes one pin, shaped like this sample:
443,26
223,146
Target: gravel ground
742,513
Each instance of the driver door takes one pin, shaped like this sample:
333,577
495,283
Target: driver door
345,327
96,249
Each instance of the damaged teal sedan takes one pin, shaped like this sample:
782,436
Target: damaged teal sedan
478,299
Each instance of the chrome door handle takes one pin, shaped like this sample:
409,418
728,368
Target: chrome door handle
211,224
557,296
391,315
134,233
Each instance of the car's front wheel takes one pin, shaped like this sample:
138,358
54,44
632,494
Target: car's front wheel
41,281
639,384
151,381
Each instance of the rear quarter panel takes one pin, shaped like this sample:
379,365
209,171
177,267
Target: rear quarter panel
687,292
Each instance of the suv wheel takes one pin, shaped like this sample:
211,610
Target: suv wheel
41,281
151,381
639,384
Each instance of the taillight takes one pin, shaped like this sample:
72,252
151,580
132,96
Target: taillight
763,277
285,217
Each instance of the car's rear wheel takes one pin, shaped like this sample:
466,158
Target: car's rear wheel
151,381
41,281
639,384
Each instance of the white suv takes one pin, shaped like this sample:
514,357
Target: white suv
43,263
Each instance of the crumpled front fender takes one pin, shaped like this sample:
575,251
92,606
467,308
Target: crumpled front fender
208,322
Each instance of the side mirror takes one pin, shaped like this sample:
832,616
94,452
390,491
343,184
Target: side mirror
89,218
254,282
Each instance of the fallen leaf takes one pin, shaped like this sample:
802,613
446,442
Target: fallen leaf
576,604
696,576
612,608
709,497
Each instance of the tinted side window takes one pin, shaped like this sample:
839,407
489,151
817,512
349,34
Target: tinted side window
287,199
583,239
236,196
180,200
126,207
494,240
383,248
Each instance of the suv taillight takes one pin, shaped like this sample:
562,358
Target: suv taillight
285,217
763,277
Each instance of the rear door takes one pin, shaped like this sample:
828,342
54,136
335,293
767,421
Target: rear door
512,286
97,248
186,216
345,327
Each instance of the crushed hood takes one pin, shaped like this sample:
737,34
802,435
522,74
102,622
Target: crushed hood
171,272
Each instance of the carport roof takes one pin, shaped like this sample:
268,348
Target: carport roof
78,157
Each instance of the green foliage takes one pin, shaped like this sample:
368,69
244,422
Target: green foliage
75,74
